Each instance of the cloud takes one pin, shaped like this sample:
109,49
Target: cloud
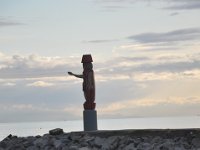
113,8
134,79
17,107
169,67
168,37
6,22
9,84
100,41
35,66
44,70
143,107
174,14
169,4
136,46
184,5
160,67
40,84
21,106
151,102
29,112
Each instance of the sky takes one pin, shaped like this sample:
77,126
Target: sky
146,58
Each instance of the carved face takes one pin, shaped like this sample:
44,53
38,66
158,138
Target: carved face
87,66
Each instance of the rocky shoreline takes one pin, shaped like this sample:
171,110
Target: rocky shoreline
149,139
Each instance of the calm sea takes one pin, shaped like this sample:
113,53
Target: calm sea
40,128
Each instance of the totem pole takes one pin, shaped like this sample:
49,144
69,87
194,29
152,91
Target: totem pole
89,113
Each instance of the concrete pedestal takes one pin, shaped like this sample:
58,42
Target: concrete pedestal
90,120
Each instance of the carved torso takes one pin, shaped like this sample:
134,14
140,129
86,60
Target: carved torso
89,88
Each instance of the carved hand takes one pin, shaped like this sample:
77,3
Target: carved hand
70,73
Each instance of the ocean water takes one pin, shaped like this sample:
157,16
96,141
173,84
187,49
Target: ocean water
40,128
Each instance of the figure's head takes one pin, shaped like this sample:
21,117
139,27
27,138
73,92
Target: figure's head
87,61
87,58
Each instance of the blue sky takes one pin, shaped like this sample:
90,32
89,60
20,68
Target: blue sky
146,58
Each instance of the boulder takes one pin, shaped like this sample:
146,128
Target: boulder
56,131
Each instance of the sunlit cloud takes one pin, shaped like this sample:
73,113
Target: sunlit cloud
43,70
136,47
160,67
140,72
151,76
9,84
147,103
34,66
101,78
16,107
21,106
145,47
40,84
195,74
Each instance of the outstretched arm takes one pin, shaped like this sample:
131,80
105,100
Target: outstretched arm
76,75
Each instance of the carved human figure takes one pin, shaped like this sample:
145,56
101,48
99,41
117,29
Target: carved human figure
88,82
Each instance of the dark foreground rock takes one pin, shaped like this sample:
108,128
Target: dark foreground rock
180,139
56,131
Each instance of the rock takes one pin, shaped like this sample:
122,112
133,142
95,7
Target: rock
179,148
40,142
56,131
65,148
84,144
38,136
47,136
146,146
105,146
84,148
156,139
10,136
75,137
109,143
88,138
196,142
167,145
98,142
48,147
113,141
27,144
73,147
131,146
18,147
32,148
57,143
3,144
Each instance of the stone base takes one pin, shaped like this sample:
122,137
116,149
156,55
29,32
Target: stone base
90,120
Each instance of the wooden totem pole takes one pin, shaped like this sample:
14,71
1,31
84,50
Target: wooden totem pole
89,113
